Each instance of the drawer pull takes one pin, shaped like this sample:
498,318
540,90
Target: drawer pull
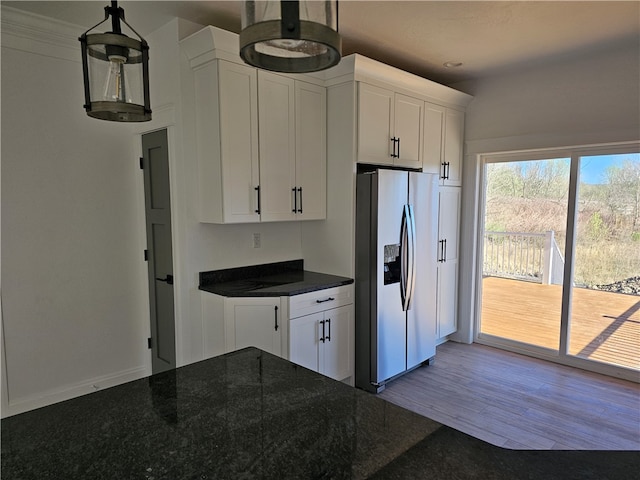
330,299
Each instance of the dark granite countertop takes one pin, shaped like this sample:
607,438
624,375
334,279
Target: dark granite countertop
281,279
249,414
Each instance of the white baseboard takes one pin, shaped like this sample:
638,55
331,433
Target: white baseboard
24,404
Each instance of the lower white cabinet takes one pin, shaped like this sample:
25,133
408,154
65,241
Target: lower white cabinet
321,329
446,309
315,330
447,276
255,322
322,341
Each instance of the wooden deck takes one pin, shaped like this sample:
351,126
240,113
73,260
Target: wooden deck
604,327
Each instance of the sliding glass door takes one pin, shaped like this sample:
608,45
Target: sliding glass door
523,246
605,307
560,256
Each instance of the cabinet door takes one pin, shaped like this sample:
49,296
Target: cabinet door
304,340
335,351
433,138
375,119
311,148
447,297
447,276
408,119
238,144
253,322
448,223
276,113
453,146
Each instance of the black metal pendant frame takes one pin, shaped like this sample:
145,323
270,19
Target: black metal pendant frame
122,44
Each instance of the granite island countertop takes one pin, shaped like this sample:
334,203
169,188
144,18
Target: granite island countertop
249,414
280,279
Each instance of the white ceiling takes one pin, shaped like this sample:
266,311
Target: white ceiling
418,36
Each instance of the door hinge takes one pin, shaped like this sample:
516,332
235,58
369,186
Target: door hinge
149,342
146,255
141,163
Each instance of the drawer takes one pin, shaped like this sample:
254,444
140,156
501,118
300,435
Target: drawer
320,300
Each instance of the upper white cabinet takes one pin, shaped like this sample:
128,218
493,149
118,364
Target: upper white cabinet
227,142
311,151
443,141
261,137
292,126
453,148
276,113
389,127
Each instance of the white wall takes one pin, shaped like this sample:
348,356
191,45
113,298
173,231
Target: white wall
72,298
75,298
587,100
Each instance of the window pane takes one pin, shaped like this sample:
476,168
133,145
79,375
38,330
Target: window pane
605,314
524,238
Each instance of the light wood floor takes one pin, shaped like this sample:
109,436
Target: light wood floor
519,402
605,326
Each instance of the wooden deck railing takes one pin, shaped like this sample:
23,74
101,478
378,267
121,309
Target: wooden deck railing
524,256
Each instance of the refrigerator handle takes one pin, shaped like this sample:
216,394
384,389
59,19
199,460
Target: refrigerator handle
412,260
408,257
404,251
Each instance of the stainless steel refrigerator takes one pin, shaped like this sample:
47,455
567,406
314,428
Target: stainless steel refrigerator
396,259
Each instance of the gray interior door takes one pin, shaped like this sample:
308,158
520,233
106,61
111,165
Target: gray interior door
155,163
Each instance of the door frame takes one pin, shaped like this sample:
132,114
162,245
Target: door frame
163,118
561,356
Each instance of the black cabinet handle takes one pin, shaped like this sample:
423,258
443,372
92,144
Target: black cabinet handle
330,299
168,279
446,168
300,209
329,323
441,252
394,140
257,189
295,200
398,147
323,337
445,251
275,309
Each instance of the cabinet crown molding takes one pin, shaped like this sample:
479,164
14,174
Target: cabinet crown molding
29,32
210,43
360,68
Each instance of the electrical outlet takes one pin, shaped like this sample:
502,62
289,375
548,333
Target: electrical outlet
256,240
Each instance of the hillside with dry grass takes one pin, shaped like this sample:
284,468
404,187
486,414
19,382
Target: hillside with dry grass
532,197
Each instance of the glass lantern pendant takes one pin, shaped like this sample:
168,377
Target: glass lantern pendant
116,72
290,36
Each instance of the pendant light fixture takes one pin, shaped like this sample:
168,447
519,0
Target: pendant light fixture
290,36
116,72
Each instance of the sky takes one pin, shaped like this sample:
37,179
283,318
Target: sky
592,168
